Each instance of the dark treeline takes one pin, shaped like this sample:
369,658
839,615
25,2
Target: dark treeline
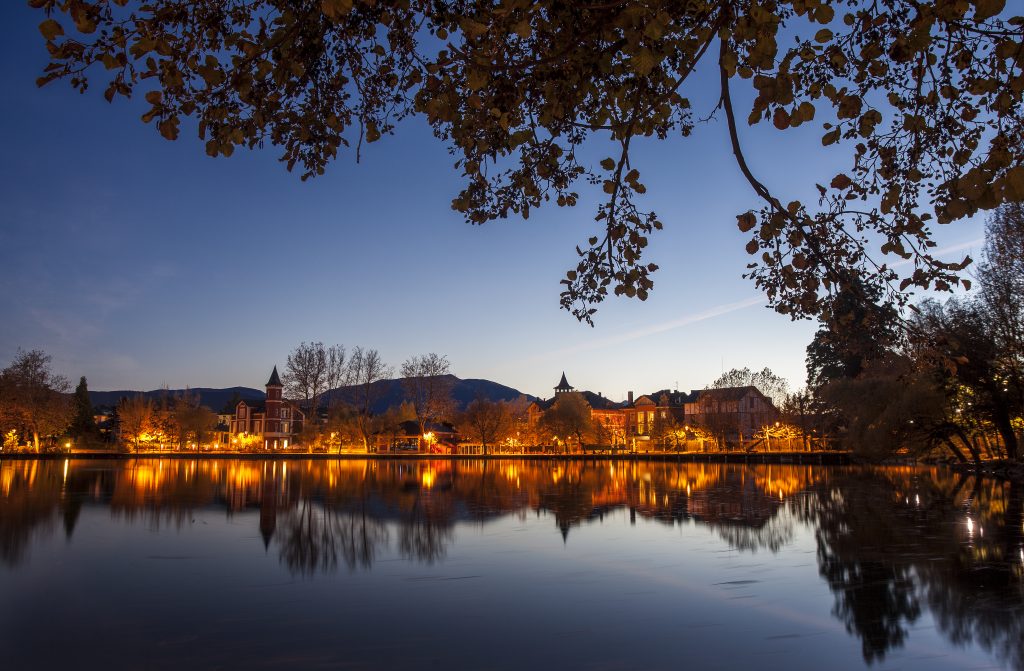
946,377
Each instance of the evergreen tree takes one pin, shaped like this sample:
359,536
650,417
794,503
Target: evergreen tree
83,426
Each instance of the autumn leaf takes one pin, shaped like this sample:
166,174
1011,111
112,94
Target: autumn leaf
746,221
841,182
335,9
50,29
643,62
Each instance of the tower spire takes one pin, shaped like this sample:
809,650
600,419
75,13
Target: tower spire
275,379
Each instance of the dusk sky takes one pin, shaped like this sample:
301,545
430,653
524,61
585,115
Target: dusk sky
139,262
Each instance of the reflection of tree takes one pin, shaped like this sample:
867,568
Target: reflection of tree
979,596
892,541
424,529
858,534
309,537
773,535
873,599
362,538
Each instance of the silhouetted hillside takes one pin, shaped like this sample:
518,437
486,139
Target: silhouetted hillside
387,393
214,399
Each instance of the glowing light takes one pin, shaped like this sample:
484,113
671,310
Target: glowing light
65,469
970,526
428,479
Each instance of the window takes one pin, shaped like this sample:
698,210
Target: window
284,427
284,413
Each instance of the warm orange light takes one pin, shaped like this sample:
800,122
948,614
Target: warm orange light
428,479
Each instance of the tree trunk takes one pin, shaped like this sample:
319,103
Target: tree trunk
955,450
1005,428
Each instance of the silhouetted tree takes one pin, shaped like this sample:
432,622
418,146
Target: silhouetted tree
570,417
428,383
486,422
33,397
83,424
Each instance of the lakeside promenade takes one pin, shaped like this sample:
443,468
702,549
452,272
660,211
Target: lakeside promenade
809,458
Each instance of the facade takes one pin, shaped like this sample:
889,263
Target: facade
732,413
655,417
273,424
665,419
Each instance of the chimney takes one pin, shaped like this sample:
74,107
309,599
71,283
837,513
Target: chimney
630,397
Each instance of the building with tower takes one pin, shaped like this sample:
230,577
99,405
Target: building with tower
273,424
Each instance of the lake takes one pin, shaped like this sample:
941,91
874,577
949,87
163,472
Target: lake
506,564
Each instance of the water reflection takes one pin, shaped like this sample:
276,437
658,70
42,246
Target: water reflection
893,541
321,512
891,544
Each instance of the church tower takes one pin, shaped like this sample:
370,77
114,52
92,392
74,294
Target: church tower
563,386
272,424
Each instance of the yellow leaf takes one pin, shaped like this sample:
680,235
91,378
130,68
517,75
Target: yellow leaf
752,247
841,181
1013,184
781,118
476,79
472,28
643,62
986,9
50,29
746,221
335,9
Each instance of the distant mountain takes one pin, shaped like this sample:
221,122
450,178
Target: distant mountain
390,393
214,399
387,393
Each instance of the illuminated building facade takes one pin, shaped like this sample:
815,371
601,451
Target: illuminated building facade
275,422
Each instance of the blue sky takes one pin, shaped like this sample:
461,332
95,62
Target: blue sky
139,262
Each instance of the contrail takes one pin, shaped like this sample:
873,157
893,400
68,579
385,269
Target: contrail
710,313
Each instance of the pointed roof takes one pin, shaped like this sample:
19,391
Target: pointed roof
275,380
563,383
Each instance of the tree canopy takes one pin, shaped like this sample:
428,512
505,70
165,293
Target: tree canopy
924,98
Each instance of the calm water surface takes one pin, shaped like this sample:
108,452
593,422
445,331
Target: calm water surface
171,564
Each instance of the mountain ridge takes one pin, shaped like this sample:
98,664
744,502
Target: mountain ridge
388,393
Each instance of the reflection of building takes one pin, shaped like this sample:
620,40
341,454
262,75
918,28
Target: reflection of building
275,421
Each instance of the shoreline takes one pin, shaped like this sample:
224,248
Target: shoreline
787,458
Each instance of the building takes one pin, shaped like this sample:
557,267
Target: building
607,415
656,417
273,424
733,414
667,419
